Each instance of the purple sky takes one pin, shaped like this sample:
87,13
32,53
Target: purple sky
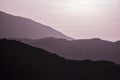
75,18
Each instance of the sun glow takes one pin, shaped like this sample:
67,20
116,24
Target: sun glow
82,5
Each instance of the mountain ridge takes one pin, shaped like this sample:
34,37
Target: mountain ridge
20,27
94,49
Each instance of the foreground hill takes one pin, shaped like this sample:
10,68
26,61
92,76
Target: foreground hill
23,62
94,49
19,27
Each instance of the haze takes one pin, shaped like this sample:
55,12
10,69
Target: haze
76,18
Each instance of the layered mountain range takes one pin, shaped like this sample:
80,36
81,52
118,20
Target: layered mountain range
20,61
33,51
42,36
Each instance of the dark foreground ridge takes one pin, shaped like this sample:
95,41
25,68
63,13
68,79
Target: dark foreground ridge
23,62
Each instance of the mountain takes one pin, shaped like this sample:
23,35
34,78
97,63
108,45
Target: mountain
20,61
19,27
94,49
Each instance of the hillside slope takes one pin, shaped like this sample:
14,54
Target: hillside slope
19,27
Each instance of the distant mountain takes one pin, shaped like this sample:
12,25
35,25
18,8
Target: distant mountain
20,61
94,49
19,27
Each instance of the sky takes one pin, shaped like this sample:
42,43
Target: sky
80,19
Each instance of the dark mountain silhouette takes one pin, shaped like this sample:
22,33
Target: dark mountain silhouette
19,27
95,49
117,43
22,62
